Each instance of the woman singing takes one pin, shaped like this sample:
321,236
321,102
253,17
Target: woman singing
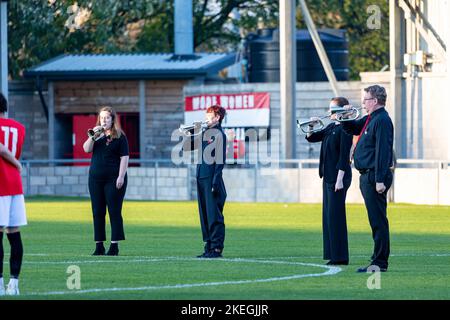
107,178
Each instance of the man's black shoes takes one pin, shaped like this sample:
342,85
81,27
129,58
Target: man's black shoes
203,255
215,254
211,254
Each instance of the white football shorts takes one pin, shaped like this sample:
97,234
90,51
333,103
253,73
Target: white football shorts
12,211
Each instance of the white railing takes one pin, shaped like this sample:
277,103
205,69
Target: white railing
415,181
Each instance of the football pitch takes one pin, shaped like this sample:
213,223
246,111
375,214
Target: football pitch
272,251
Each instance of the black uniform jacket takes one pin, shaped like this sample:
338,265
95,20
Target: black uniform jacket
374,150
334,152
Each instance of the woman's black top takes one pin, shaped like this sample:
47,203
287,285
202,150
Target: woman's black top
334,152
105,163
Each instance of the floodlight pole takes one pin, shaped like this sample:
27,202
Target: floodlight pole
288,78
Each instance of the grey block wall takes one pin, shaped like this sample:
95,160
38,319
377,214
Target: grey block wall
177,184
285,185
25,106
143,184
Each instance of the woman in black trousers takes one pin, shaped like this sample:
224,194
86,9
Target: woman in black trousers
107,178
334,168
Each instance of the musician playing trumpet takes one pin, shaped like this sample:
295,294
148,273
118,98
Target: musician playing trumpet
211,190
107,178
334,168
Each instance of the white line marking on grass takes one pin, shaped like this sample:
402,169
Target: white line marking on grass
420,255
331,270
367,256
33,254
97,261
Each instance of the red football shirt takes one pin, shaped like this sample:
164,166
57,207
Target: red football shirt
12,135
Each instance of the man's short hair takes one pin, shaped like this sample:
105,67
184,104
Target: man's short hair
377,92
3,104
218,111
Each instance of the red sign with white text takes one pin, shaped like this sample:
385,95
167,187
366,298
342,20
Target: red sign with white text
250,109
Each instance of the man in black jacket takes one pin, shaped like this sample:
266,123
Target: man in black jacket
373,156
211,190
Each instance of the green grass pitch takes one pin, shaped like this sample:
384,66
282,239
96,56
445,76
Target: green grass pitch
272,251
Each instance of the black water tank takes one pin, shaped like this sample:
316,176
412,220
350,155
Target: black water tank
263,54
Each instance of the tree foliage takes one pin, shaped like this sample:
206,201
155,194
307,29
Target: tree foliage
368,46
42,29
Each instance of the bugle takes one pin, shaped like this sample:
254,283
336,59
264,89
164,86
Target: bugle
96,133
193,129
317,124
311,126
348,115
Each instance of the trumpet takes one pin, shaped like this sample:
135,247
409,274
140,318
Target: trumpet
96,133
193,129
317,124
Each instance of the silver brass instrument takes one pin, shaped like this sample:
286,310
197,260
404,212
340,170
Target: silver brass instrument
315,125
96,133
193,129
312,125
348,115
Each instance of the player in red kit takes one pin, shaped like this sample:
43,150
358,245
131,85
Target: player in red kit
12,203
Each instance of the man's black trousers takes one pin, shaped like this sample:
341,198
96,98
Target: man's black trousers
376,205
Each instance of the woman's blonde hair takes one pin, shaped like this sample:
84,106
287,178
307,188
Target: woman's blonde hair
116,130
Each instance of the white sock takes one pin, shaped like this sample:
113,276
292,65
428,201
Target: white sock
13,282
